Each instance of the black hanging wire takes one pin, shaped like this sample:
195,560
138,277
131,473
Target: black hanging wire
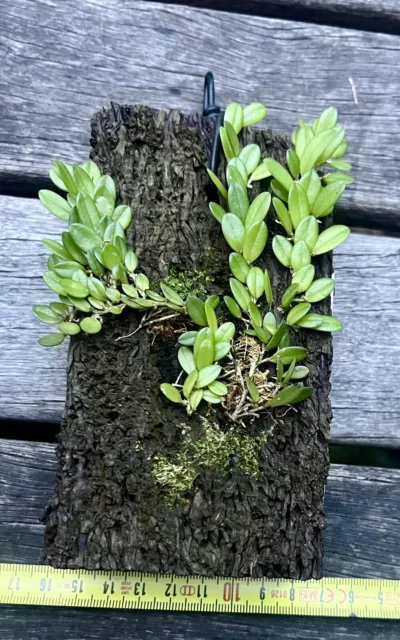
211,110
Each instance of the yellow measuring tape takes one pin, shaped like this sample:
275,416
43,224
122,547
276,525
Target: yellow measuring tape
336,597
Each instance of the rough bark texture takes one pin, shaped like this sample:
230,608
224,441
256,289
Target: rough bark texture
107,511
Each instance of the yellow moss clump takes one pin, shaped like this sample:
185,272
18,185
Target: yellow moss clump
213,450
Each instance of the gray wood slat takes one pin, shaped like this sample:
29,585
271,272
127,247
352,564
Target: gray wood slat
366,399
362,539
370,15
56,71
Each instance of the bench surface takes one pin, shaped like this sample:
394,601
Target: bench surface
62,61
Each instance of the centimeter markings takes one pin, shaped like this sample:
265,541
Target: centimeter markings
337,597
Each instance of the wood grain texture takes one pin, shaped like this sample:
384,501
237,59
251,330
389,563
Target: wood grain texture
56,71
369,15
362,539
365,399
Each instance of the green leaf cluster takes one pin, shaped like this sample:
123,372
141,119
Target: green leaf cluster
91,268
304,196
200,355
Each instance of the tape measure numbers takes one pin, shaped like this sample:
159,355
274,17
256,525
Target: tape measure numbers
337,597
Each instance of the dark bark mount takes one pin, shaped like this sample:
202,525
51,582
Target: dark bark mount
107,511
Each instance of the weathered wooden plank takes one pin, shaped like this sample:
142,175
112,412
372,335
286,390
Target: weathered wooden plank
158,54
365,400
362,540
32,623
382,15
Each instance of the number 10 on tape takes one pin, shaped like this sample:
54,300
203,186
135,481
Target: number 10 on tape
38,585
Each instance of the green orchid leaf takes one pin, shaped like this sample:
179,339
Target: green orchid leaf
250,155
217,211
256,282
240,293
225,332
239,266
258,209
171,295
221,350
84,237
311,183
298,204
239,165
73,288
282,249
255,315
189,383
123,215
63,172
269,322
308,231
51,340
260,173
186,359
341,165
316,148
196,310
338,178
54,283
253,113
234,175
187,339
320,323
233,307
218,388
283,215
289,295
300,256
218,184
253,390
195,398
90,325
234,115
69,328
293,163
327,198
96,289
111,257
46,314
131,261
277,336
300,372
171,393
303,138
254,242
287,354
327,120
279,172
330,239
332,145
226,145
320,289
296,313
204,349
84,184
211,317
105,188
288,375
234,231
267,287
304,277
233,139
238,201
57,205
291,395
